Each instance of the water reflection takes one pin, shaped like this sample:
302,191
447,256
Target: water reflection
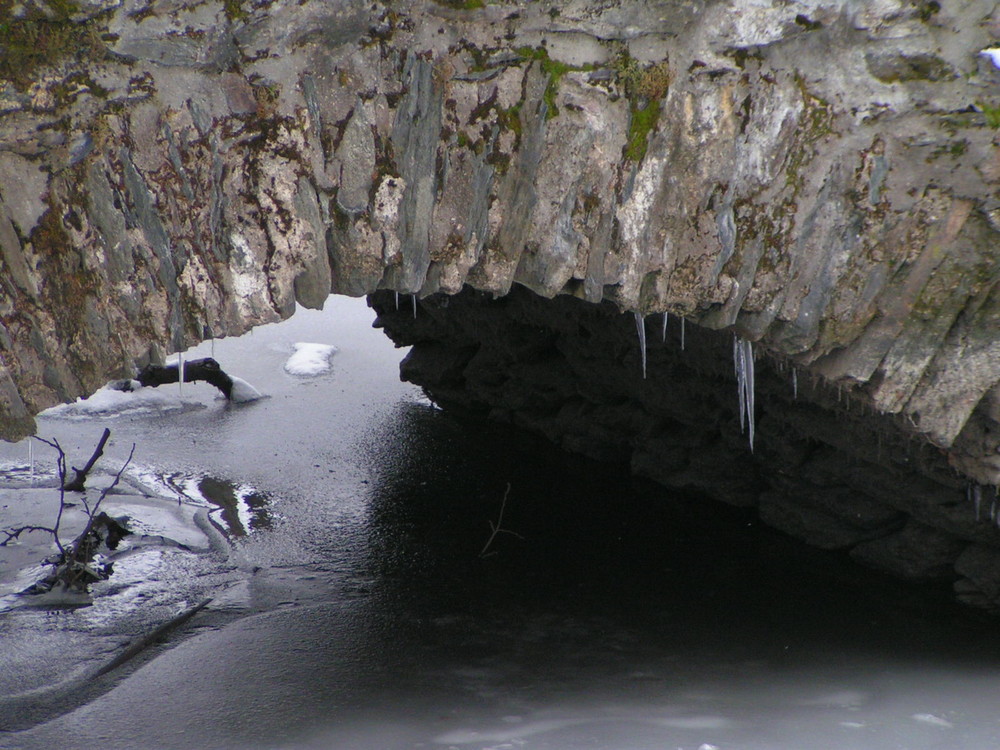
242,508
631,617
238,502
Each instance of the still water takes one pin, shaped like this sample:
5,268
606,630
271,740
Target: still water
355,606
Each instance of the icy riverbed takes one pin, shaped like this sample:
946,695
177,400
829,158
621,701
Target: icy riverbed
350,607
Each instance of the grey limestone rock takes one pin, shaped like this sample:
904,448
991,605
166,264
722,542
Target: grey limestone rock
820,178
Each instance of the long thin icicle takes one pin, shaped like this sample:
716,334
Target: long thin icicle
640,327
666,317
976,495
682,334
743,364
414,300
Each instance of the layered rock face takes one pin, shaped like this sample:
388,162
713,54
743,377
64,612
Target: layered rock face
820,177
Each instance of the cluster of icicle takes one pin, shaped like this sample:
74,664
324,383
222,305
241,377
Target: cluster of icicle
640,328
743,362
413,299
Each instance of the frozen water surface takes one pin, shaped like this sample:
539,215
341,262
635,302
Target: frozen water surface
336,527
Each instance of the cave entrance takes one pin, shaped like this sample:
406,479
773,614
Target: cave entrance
418,576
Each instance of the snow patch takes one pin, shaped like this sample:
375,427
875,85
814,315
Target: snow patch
696,722
107,403
994,54
243,392
310,360
933,720
468,736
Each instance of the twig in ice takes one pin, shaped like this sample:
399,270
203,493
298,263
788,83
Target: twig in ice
497,528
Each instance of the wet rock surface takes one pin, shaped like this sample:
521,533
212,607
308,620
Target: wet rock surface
823,468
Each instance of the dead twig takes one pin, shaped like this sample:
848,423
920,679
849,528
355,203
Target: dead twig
12,534
77,563
61,468
497,528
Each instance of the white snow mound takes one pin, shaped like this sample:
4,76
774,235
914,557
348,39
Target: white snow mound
243,391
107,402
310,360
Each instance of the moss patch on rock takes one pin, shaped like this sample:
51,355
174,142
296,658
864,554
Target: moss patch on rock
36,40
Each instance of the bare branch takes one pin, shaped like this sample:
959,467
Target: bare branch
76,484
13,534
114,483
79,549
77,565
61,466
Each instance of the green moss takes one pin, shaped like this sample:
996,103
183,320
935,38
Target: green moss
35,40
644,87
992,114
234,10
641,123
510,119
815,124
555,69
71,87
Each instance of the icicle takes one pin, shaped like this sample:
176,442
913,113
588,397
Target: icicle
414,299
397,300
666,316
740,369
213,348
640,327
795,383
682,333
180,373
743,363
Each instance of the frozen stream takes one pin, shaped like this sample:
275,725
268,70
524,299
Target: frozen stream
354,610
